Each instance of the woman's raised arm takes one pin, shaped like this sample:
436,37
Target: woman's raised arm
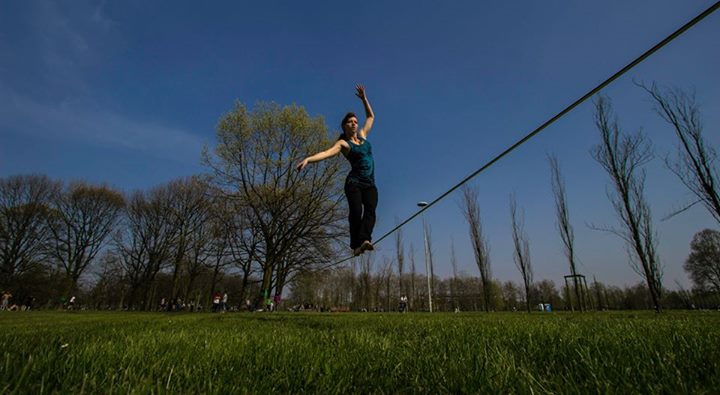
369,115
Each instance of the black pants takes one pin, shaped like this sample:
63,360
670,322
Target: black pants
362,201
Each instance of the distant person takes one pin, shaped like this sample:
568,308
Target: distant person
5,300
29,303
71,303
360,190
403,304
224,302
178,304
216,302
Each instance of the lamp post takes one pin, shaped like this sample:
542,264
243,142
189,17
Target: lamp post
427,256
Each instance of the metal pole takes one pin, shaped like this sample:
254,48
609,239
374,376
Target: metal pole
427,260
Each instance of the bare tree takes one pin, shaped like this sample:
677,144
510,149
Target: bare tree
24,202
696,162
454,279
190,214
563,224
622,156
146,241
522,250
385,275
199,252
471,211
366,268
400,252
413,277
313,251
429,257
83,217
206,236
219,255
235,241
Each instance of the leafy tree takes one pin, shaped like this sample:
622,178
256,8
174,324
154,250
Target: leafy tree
547,292
292,213
511,295
703,263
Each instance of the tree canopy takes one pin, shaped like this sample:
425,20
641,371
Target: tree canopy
296,216
703,263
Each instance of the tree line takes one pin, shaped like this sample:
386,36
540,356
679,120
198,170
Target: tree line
371,286
251,221
256,227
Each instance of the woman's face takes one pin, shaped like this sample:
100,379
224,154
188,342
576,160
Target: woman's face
351,125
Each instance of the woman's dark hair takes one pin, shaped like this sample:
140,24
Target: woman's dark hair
342,124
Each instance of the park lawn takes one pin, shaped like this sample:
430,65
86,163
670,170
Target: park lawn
121,352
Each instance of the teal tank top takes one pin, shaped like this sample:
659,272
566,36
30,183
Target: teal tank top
362,164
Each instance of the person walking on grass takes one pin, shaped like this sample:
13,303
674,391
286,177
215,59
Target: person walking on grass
216,302
5,300
360,190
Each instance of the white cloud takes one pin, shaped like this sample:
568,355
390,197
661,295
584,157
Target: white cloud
62,46
83,121
67,39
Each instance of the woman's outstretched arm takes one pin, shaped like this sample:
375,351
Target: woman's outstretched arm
328,153
369,115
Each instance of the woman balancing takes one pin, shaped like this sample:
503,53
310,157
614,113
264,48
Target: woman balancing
360,187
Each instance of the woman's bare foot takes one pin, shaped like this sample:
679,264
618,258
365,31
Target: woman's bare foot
367,246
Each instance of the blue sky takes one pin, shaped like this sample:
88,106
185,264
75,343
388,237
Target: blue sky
128,93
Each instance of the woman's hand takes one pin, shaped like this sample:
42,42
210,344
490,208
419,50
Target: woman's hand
360,92
302,164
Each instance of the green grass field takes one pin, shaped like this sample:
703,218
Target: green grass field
84,352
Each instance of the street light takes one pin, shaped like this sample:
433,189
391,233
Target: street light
427,255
